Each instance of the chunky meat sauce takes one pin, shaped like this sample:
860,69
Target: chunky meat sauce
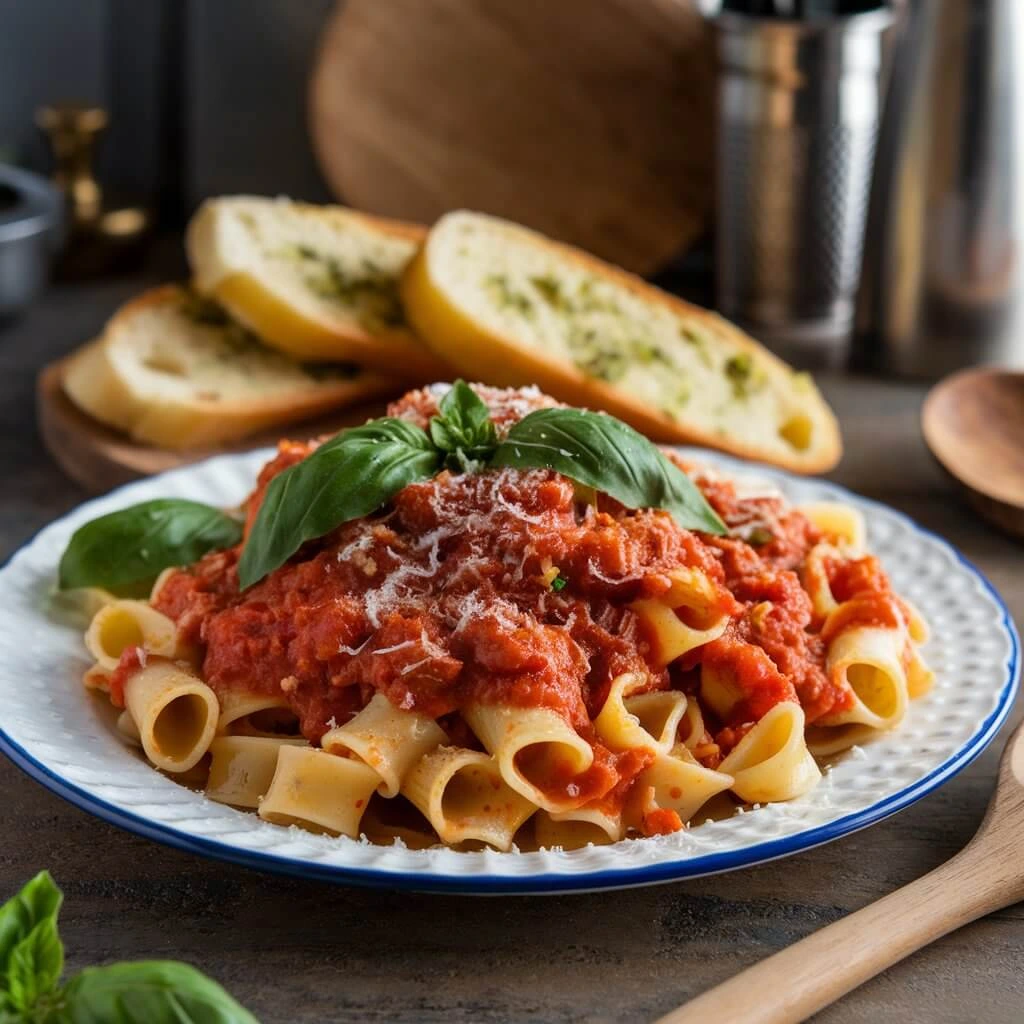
446,597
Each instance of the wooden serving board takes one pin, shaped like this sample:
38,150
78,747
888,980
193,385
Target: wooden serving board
589,120
100,458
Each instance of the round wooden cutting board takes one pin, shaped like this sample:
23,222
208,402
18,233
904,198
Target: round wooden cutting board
590,120
100,458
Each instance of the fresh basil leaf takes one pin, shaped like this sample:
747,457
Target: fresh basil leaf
38,901
599,451
350,476
127,550
464,428
31,956
148,992
34,967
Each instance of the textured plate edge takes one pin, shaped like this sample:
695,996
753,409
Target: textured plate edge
558,882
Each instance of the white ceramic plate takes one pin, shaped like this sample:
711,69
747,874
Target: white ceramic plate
58,734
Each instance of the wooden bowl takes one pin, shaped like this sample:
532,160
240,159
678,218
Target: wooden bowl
973,422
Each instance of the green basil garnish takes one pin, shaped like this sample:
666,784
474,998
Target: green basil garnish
602,452
464,430
125,551
350,476
31,955
147,992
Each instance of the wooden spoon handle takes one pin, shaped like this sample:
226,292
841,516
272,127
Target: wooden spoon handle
800,980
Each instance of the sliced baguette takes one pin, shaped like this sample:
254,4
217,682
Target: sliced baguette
320,283
503,304
171,370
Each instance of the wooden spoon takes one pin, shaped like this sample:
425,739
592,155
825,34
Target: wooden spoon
986,875
973,422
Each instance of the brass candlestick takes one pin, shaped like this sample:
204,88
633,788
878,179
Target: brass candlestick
99,239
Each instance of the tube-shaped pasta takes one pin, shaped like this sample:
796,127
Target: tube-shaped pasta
318,791
693,725
569,833
676,782
920,678
239,711
463,795
648,720
772,761
684,618
917,627
158,583
123,624
841,524
537,751
386,738
610,824
868,659
175,713
96,677
814,579
242,767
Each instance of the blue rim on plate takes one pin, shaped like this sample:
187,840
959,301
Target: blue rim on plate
553,882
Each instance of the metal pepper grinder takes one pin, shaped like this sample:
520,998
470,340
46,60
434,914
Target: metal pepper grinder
943,279
100,239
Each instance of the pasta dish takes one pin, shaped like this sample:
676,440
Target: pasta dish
498,652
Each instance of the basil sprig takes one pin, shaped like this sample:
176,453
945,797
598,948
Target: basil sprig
126,550
464,430
602,452
146,992
350,476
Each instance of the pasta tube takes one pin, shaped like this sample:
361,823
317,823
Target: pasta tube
463,795
387,739
537,751
772,761
319,792
175,713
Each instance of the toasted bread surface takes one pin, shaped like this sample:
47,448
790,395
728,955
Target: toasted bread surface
171,369
319,283
503,304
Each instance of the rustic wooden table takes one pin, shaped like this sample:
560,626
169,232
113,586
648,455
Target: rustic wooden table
303,951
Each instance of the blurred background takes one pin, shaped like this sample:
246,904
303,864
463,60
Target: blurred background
736,141
840,177
204,96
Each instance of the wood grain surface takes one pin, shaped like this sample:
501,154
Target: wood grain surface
589,121
300,951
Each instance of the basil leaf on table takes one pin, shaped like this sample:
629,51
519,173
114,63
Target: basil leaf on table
31,955
126,550
602,452
350,476
34,967
464,430
148,992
